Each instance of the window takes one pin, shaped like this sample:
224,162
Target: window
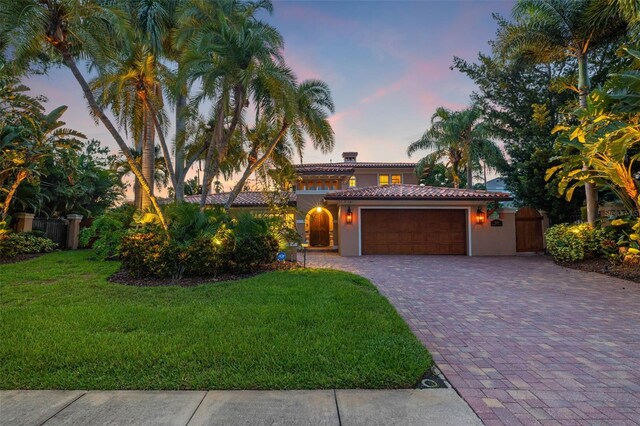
384,180
352,182
396,179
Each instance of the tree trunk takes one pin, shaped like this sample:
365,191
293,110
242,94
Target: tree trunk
181,137
97,111
163,143
253,167
469,171
148,157
220,141
22,175
207,175
591,193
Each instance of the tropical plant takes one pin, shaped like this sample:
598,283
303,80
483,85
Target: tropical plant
234,57
462,139
306,111
13,244
606,139
65,30
74,179
28,136
547,30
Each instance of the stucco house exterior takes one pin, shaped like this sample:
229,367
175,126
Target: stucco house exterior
360,208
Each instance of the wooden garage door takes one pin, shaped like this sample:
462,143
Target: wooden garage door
414,231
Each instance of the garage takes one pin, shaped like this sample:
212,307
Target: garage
414,231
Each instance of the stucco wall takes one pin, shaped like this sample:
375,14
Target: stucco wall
348,244
369,177
487,240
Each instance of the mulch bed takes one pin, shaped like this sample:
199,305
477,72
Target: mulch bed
603,266
19,258
123,277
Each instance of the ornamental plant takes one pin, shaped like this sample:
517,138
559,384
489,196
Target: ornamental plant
572,243
13,244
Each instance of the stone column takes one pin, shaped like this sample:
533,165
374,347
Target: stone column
24,222
73,231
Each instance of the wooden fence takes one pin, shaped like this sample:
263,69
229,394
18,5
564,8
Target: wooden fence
56,229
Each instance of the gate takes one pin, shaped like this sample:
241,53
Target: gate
55,229
529,230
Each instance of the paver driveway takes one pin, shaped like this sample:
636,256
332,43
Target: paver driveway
521,339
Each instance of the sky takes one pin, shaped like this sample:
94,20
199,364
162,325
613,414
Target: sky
387,64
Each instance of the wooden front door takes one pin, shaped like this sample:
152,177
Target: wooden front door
424,231
529,230
319,229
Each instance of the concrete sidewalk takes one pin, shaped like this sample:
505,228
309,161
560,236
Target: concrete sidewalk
296,407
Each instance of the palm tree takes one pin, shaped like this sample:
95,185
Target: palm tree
66,30
546,30
128,83
303,110
160,173
228,55
462,139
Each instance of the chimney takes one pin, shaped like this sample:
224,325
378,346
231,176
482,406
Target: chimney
349,157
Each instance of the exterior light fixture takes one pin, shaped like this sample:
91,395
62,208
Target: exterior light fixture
319,209
349,218
480,216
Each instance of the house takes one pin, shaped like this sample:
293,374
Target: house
360,208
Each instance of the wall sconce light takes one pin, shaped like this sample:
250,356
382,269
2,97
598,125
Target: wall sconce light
480,216
319,209
349,217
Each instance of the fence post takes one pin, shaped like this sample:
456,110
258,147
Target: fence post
25,222
73,231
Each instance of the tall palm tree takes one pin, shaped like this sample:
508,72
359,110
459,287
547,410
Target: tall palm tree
128,83
462,139
66,30
228,54
546,30
303,110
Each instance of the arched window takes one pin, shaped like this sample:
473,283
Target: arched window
352,182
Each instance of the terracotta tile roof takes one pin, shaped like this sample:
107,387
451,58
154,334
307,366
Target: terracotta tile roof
244,199
414,192
347,167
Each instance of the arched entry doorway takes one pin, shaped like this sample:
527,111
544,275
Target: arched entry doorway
529,230
319,227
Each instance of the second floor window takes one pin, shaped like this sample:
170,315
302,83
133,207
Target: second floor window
383,180
396,179
352,182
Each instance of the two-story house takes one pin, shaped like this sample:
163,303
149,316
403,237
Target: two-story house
361,208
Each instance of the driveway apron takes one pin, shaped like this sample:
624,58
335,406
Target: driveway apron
523,341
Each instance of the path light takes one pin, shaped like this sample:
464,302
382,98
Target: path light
479,216
349,215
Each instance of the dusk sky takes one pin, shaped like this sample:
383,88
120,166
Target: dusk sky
386,62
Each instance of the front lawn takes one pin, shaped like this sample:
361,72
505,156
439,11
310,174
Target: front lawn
63,326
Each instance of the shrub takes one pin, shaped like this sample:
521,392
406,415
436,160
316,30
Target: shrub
13,244
571,243
202,257
252,251
106,232
148,254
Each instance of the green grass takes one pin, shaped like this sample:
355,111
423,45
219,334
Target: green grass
63,326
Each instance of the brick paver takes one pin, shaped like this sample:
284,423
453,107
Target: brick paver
523,340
